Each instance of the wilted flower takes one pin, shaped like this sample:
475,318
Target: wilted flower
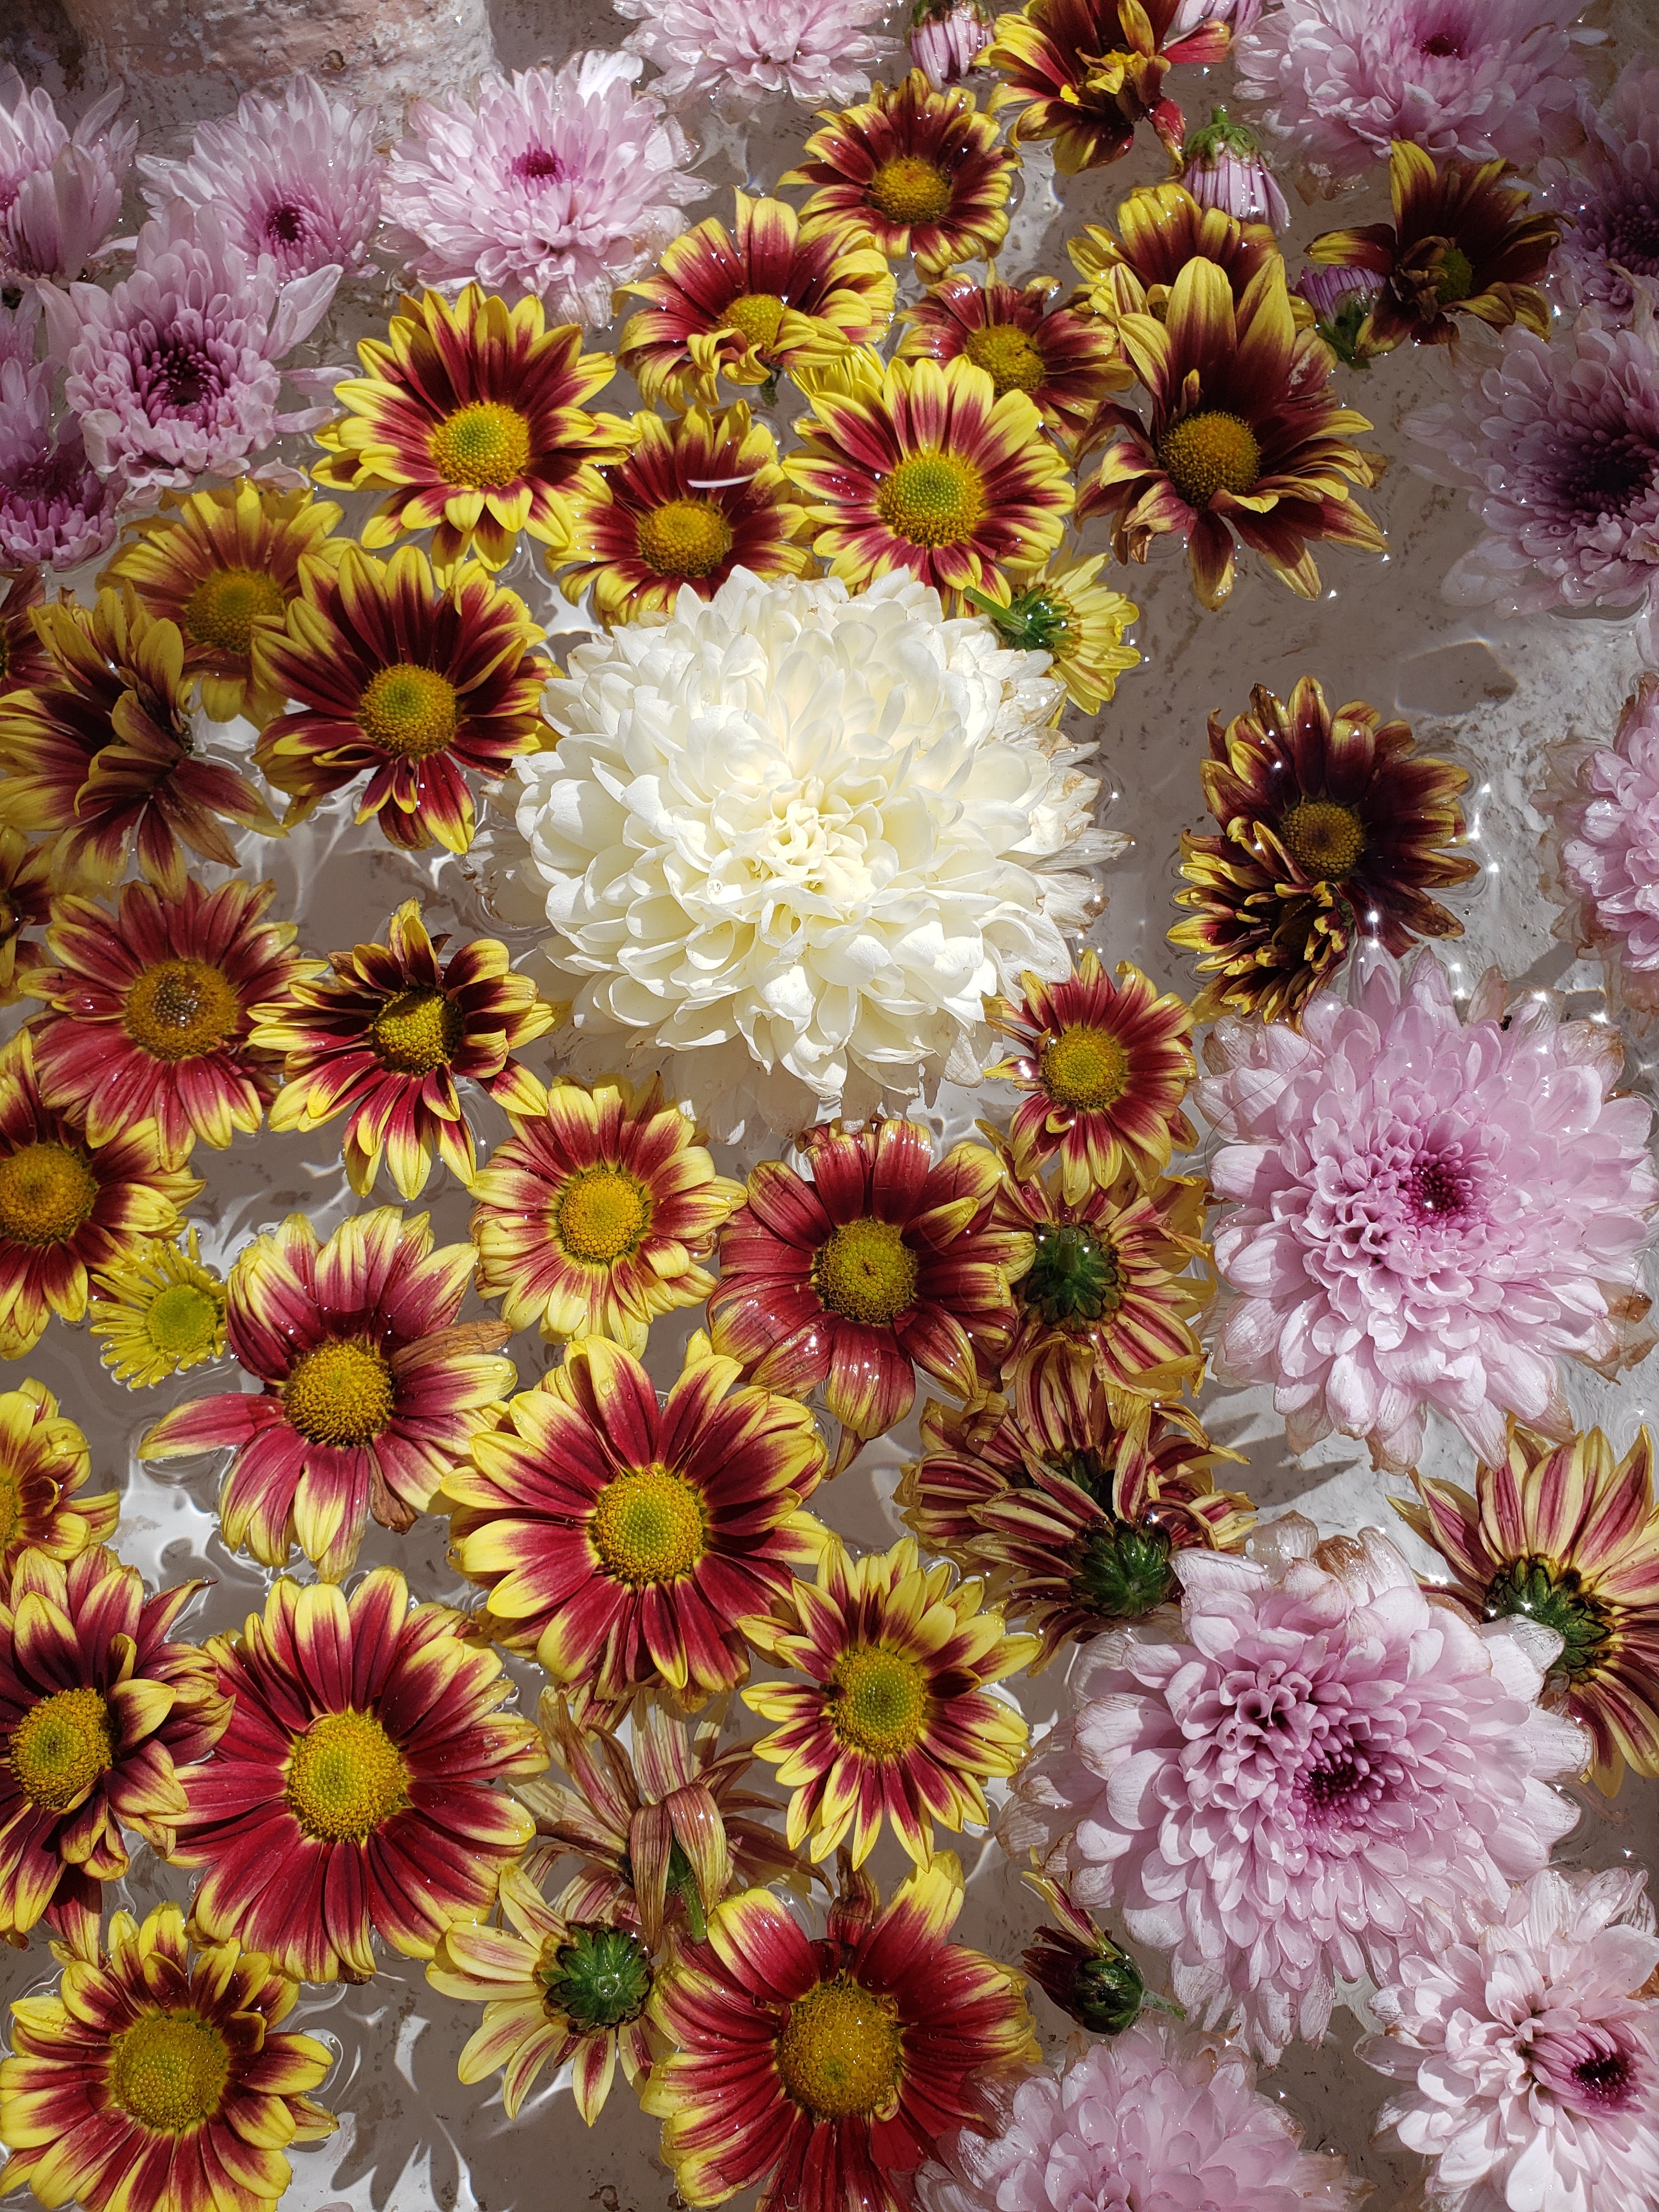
820,52
1084,72
1223,167
60,195
1093,1980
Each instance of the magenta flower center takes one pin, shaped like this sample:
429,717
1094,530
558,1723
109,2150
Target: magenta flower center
1590,2068
180,378
1435,1189
537,165
285,224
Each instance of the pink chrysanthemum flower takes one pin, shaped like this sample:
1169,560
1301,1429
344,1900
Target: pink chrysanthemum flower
1277,1794
173,373
60,196
1343,78
1531,2050
818,52
1610,189
563,183
1429,1209
55,509
17,327
298,179
1604,800
1157,2117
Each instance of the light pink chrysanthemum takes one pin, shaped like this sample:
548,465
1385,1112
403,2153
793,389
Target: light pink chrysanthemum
1604,800
819,51
1430,1209
1475,77
947,37
563,183
1191,15
60,196
1277,1794
1610,189
298,179
1532,2057
173,373
1157,2117
55,509
18,325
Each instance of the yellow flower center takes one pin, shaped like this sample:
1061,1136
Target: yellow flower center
410,712
221,611
417,1031
1326,838
1083,1067
879,1702
339,1394
1008,357
61,1746
933,499
46,1192
345,1776
909,189
757,315
683,538
649,1526
182,1322
1210,452
840,2052
601,1216
169,2071
867,1272
179,1009
486,444
11,1506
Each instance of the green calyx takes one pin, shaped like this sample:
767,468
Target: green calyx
1221,134
598,1978
1555,1597
1346,335
1074,1279
1107,1995
1091,1472
1122,1572
1033,622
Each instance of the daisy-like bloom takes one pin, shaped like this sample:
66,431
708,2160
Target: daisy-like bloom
101,761
698,496
827,2070
1334,828
1083,73
159,1314
921,171
1567,1534
149,1010
1106,1066
1527,2041
1609,196
399,677
1244,438
1064,362
934,474
67,1207
621,1541
475,420
893,1720
591,1219
1158,2116
372,1386
155,2078
1603,801
1160,228
25,903
24,661
558,183
297,179
353,1793
947,37
1077,1966
884,1262
98,1710
812,50
386,1039
223,566
1461,243
1428,1210
1222,167
45,1466
1076,620
54,506
60,193
774,293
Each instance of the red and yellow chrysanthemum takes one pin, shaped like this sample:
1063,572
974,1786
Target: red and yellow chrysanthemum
474,419
1160,228
159,1314
592,1217
1084,72
24,661
386,1038
827,2071
1067,614
923,172
157,2081
893,1720
408,682
354,1792
25,903
372,1385
45,1466
1064,363
774,293
621,1541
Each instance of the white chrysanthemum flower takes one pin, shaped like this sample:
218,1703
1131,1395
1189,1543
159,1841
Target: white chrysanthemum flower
796,838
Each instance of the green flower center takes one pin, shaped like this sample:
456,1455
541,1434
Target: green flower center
222,610
485,445
1084,1067
183,1321
910,189
599,1978
410,712
683,538
1074,1278
47,1192
180,1009
877,1702
345,1776
417,1031
649,1526
755,315
1325,838
1556,1597
169,2071
1008,355
341,1394
866,1273
1457,277
933,499
1209,453
601,1216
841,2051
1121,1572
61,1746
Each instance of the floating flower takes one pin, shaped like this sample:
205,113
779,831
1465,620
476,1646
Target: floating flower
1609,197
155,2078
25,903
724,941
398,676
621,1541
1077,1966
882,1263
894,1718
1429,1211
1160,228
149,1010
45,1466
1604,803
68,1207
98,1710
560,183
60,193
24,661
352,1793
54,504
386,1039
591,1218
1222,167
475,419
1334,828
827,2070
947,37
697,498
1076,620
1063,362
1244,438
1084,72
774,293
159,1314
1285,1826
812,50
1342,300
921,171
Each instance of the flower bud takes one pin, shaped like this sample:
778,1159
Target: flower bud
947,37
1341,299
1099,1987
1224,168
